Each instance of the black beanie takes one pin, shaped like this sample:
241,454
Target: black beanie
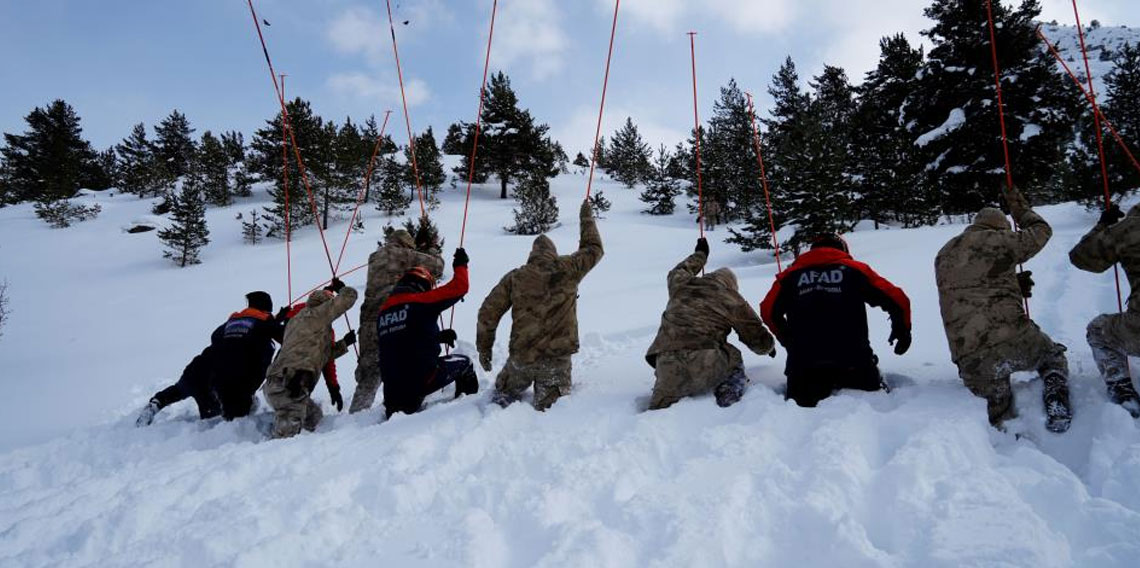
830,240
260,301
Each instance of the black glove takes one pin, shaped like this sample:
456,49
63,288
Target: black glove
901,339
485,360
334,394
703,245
349,338
461,258
282,313
335,286
1025,281
1111,215
448,337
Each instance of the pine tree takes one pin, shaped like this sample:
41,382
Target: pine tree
174,144
51,160
955,105
538,209
455,140
392,199
241,180
429,162
137,164
628,155
889,174
212,164
581,161
511,144
187,233
349,164
662,189
370,135
1122,99
251,229
425,234
266,162
599,203
729,168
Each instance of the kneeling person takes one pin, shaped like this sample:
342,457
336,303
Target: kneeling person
307,348
409,337
691,353
817,309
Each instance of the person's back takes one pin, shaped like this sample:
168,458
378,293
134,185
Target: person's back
1114,337
409,339
990,336
243,349
978,290
542,296
817,309
385,267
690,353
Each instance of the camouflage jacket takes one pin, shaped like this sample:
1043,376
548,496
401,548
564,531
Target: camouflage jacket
1105,246
386,266
976,273
543,298
308,344
702,310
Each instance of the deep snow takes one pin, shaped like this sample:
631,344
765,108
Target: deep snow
915,477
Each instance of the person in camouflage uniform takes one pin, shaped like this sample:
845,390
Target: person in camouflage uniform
1113,337
543,298
385,267
691,353
307,348
989,333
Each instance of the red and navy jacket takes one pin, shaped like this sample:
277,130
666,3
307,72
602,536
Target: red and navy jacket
408,331
816,309
242,348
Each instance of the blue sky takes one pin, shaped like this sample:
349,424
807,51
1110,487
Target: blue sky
124,61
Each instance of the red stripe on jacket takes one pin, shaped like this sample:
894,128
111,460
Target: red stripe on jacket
825,256
456,288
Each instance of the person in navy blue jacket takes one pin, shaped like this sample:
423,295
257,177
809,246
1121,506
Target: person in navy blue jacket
817,311
408,332
225,376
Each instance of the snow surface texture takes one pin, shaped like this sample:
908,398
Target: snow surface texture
912,478
1102,43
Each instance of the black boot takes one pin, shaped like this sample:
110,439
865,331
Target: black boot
1122,392
731,390
1058,414
467,382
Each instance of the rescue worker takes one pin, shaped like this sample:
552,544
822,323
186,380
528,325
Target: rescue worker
981,298
223,378
409,339
385,266
543,298
340,348
817,310
307,348
691,354
1113,337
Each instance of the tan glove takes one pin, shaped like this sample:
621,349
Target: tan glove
1018,205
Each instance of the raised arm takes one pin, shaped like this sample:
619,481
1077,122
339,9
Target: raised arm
590,250
1095,252
1033,232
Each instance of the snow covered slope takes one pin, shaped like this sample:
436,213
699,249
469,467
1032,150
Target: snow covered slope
915,477
1103,43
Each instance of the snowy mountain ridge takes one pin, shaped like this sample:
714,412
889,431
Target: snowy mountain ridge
1102,43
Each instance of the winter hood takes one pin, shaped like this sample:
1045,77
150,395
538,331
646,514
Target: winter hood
725,277
543,251
991,218
319,297
400,237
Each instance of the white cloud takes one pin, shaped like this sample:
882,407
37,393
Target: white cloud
359,31
382,91
742,16
530,32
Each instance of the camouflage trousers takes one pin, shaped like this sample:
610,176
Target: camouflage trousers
986,373
550,377
682,374
292,413
367,367
1113,337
